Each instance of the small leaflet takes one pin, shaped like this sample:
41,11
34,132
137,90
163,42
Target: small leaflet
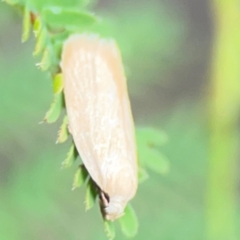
71,157
129,222
57,83
37,27
109,229
80,177
63,132
154,160
91,194
11,2
70,19
151,136
46,61
142,175
55,109
40,42
148,142
26,24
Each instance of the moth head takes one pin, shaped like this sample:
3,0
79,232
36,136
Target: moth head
112,208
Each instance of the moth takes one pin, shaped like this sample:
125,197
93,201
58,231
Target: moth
100,118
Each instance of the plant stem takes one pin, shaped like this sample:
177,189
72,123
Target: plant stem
225,99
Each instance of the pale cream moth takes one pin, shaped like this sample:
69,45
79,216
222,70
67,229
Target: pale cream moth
100,118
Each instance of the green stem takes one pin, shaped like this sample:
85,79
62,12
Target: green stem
225,99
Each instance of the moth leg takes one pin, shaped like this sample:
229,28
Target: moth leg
103,202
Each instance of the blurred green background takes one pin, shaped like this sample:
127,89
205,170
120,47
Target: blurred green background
168,49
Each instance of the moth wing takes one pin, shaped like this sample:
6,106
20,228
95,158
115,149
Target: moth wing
99,111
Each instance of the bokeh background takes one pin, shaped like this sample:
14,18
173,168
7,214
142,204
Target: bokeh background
176,75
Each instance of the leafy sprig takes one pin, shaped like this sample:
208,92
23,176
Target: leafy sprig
51,25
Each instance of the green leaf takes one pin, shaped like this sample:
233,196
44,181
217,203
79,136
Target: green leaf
85,3
57,41
37,27
45,61
80,177
57,46
153,159
55,109
26,24
11,2
150,136
71,157
70,19
148,139
91,194
58,83
40,42
129,222
63,131
109,229
142,175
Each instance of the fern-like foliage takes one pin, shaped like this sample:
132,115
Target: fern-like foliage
51,23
